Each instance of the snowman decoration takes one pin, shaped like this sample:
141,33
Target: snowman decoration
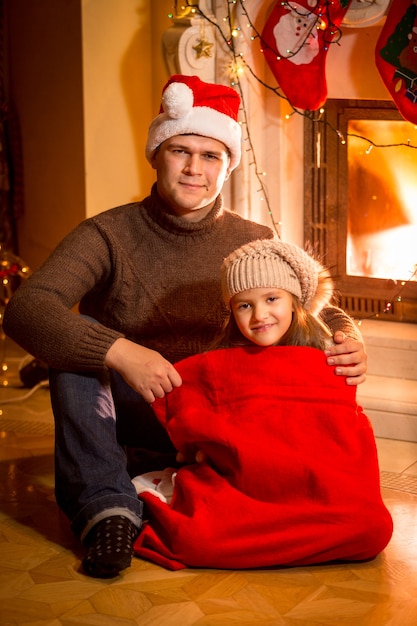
296,33
295,41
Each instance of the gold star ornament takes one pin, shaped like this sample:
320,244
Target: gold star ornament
203,48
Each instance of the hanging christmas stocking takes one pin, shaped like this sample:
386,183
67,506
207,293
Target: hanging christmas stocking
295,41
396,56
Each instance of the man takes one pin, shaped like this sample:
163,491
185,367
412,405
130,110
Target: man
146,278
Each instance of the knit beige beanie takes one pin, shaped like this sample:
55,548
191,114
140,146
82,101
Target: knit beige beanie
273,263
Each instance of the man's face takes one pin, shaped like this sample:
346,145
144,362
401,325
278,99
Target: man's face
191,171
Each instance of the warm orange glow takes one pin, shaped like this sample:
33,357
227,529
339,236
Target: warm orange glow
382,200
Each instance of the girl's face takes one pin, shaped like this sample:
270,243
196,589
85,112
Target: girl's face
263,315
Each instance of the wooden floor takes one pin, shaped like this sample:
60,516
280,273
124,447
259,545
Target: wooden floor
40,580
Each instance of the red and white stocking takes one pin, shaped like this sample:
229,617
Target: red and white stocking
295,42
396,56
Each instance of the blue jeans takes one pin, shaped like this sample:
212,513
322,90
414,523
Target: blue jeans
91,475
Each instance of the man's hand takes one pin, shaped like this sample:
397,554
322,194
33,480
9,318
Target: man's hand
143,369
350,358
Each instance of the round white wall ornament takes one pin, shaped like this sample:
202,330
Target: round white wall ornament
364,13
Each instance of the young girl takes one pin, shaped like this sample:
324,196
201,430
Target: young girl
288,470
275,292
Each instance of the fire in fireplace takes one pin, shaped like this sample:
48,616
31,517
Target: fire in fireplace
382,200
361,205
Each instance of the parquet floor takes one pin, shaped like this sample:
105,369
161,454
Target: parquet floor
40,581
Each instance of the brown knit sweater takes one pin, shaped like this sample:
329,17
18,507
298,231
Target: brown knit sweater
142,273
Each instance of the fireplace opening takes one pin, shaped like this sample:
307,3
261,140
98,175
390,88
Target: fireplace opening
361,205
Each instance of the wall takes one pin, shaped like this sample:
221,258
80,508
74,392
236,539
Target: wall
351,68
85,77
122,68
45,67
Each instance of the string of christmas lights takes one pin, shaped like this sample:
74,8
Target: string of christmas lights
396,298
239,64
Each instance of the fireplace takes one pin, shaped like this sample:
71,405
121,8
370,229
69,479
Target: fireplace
361,205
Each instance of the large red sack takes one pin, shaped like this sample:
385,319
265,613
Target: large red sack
292,475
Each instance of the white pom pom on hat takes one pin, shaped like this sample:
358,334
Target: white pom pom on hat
177,100
191,106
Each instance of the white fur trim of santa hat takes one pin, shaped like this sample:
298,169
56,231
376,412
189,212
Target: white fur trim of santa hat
190,106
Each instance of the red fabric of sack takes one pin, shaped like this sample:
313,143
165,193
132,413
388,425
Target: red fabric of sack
292,475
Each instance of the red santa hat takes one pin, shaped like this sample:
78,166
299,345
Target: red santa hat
190,106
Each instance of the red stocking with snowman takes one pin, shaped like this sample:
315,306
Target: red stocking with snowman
295,42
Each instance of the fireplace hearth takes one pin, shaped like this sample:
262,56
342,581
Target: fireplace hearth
360,211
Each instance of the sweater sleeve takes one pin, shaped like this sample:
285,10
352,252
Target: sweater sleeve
40,316
337,319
